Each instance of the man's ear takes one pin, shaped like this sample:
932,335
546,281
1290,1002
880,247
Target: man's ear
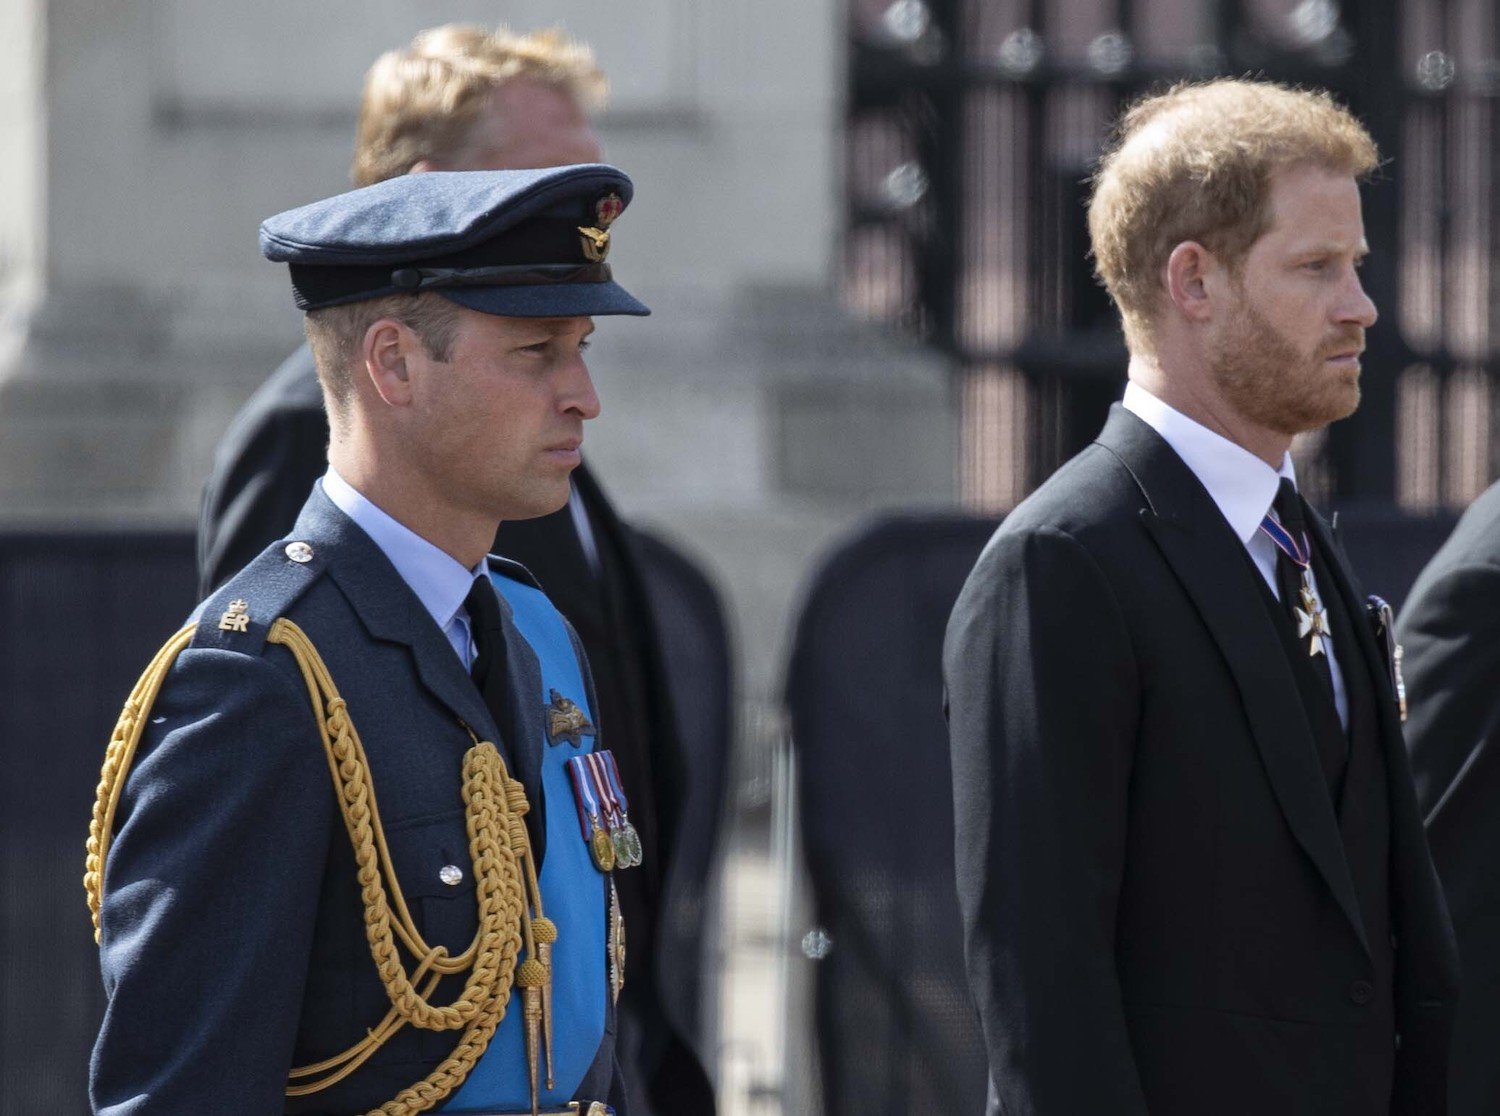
384,354
1189,273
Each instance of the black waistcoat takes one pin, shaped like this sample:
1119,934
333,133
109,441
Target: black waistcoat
1364,808
1361,801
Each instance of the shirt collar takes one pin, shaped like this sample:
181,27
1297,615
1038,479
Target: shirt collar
1241,484
437,578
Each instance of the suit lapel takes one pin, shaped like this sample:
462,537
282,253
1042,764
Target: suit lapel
1369,658
390,611
1215,571
527,727
1417,906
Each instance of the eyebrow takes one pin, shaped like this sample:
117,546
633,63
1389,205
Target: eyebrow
1332,248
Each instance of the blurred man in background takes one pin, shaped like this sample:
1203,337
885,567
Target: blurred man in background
1191,869
465,98
1450,633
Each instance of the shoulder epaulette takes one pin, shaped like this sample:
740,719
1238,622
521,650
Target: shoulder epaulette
237,616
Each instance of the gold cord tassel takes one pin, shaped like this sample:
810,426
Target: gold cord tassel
506,891
545,932
531,977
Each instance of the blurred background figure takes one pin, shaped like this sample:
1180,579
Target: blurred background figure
860,229
461,97
1450,632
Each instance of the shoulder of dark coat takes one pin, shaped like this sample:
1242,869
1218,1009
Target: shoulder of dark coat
1090,493
239,615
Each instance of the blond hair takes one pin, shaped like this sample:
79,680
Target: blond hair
1195,163
421,101
336,333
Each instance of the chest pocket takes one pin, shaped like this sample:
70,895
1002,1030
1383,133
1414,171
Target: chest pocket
436,874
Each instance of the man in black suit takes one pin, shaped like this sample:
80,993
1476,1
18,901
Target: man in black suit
465,98
1191,869
1450,631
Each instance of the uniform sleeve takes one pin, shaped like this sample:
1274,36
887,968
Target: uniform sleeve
1043,700
259,484
1450,633
211,893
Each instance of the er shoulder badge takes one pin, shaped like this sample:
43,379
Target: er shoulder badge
236,617
566,722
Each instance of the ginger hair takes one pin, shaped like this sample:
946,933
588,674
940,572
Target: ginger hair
1196,164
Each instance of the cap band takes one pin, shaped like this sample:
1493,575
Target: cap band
507,275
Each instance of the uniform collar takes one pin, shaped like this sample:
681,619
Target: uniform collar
1242,485
437,579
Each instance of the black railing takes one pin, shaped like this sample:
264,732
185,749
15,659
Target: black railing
973,126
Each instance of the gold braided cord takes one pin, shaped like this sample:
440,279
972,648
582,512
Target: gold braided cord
506,888
123,742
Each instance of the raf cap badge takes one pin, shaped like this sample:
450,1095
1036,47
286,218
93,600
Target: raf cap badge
566,722
596,237
236,617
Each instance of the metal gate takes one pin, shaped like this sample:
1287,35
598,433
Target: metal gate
972,129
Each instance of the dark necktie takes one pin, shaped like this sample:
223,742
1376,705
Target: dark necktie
488,669
1292,577
1315,676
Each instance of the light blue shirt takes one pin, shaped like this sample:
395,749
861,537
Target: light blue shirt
437,578
1242,485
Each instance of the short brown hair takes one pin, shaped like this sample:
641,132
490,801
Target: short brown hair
1195,163
421,101
335,334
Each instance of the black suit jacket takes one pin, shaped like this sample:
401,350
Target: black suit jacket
273,453
1450,629
1158,912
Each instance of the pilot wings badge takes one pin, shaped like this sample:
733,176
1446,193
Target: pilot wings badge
566,722
595,237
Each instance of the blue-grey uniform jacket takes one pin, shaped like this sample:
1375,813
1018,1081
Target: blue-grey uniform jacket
233,942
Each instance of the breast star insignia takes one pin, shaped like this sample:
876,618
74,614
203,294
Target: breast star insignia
1312,622
566,722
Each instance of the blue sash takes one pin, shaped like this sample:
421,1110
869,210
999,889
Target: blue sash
573,895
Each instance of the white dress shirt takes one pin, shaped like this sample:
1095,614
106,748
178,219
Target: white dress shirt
1241,484
437,578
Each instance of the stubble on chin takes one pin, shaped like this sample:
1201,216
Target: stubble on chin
1273,384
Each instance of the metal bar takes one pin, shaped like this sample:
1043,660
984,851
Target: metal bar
1362,449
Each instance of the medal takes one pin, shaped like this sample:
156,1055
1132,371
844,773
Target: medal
1384,621
632,838
603,849
615,947
1312,617
600,846
627,844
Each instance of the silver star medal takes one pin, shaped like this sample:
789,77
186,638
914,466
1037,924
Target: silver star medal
1312,621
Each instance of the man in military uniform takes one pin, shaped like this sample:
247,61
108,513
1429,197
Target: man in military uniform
338,861
1450,631
461,97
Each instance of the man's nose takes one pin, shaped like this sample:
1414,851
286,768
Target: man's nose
579,395
1357,307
